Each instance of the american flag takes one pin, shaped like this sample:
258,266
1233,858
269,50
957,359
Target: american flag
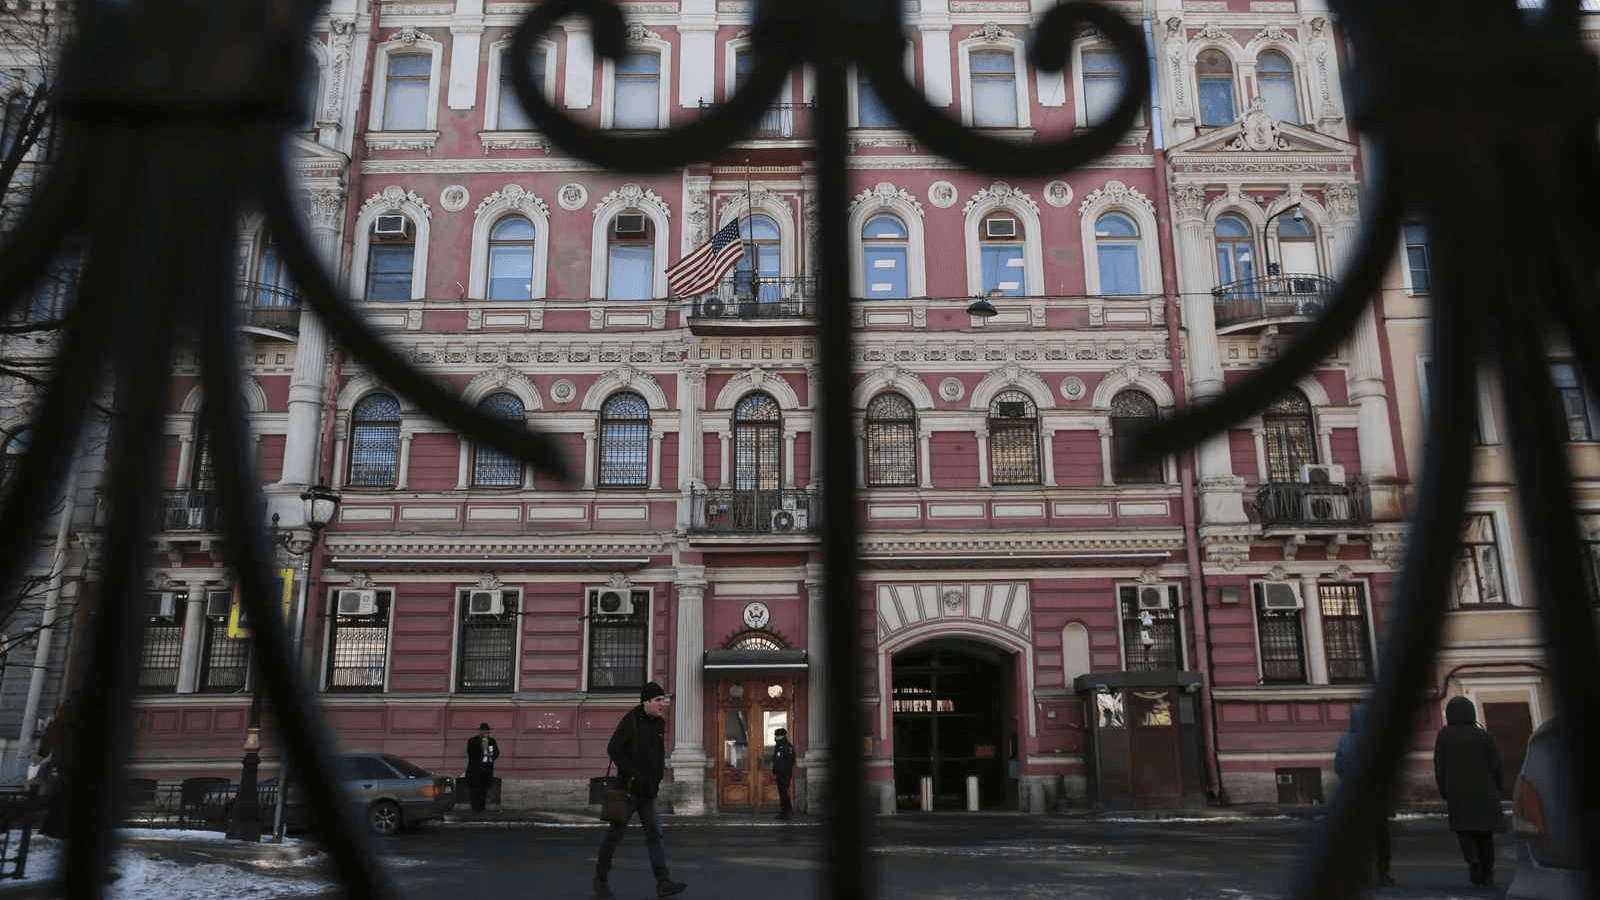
705,265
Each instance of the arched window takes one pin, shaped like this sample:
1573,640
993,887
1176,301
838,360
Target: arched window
511,259
884,257
994,88
1132,414
405,98
1275,76
1290,436
492,467
1214,73
1013,439
390,258
16,447
757,447
1116,247
273,286
891,442
638,91
1235,250
625,441
1001,247
375,443
1297,246
631,256
756,275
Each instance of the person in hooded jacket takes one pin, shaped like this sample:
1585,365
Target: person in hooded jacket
1344,765
638,748
1466,767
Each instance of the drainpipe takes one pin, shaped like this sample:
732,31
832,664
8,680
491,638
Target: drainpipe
47,618
1186,460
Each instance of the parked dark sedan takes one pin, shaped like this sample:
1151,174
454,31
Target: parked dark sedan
394,792
1550,864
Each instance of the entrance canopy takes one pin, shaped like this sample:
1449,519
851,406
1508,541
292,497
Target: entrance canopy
750,660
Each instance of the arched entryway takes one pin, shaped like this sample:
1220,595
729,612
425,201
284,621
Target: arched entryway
953,709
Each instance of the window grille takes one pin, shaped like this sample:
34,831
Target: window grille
358,654
625,441
618,647
226,661
492,467
486,647
1013,439
1282,644
161,650
1290,436
203,476
1344,632
1165,630
755,640
757,451
375,443
891,442
1478,580
1132,414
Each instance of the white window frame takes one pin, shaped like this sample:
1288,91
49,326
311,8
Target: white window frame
1487,429
1020,70
1255,632
380,82
1240,104
330,610
497,53
1130,205
1027,212
910,214
588,631
608,84
456,621
1506,548
730,72
599,241
1296,77
498,206
1177,612
1080,102
852,101
389,204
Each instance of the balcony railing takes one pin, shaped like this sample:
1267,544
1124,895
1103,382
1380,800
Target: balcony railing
1271,297
190,511
732,511
741,297
271,306
777,122
1297,505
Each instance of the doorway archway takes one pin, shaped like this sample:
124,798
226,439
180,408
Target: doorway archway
953,709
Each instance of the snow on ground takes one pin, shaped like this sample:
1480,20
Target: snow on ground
159,879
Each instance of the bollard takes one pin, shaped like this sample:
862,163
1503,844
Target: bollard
927,793
972,793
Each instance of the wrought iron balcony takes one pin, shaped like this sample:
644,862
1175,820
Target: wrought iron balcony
1271,297
733,511
274,307
190,511
777,122
741,297
1294,504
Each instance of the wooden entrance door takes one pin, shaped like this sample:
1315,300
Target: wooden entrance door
1510,723
1154,759
750,710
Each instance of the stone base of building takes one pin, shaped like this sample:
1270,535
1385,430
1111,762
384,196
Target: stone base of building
1051,793
1266,787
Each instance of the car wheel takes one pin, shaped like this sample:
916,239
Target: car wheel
384,817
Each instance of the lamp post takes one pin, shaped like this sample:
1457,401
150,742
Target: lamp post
321,502
1272,267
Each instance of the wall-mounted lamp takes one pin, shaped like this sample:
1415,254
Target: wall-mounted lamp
982,308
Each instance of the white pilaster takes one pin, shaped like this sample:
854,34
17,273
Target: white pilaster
815,753
983,457
924,444
589,439
655,458
402,477
937,84
1316,653
1048,446
788,458
580,63
466,45
688,758
194,623
308,382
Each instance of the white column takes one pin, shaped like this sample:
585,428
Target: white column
688,759
655,458
861,459
589,439
788,458
938,85
1048,446
725,477
194,623
466,45
983,457
402,477
580,63
185,458
697,54
464,453
691,444
1316,654
1105,453
308,382
924,443
815,752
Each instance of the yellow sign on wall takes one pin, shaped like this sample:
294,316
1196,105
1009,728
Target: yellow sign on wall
239,620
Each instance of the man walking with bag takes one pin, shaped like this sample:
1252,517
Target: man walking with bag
482,751
638,748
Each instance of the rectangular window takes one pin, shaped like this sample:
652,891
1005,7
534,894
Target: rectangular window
629,276
1156,645
1483,434
1119,268
884,271
619,621
162,646
1478,580
1576,402
1003,270
226,660
509,114
358,646
405,97
1344,632
994,89
1102,83
1416,236
389,271
638,91
870,111
1283,659
486,640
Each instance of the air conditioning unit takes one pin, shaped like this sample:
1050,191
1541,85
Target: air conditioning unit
1155,596
352,602
790,520
391,226
610,602
164,604
1324,474
1326,508
1280,595
486,603
630,223
999,227
218,604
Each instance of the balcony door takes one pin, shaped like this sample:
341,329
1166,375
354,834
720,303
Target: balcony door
1290,437
757,461
755,279
1235,250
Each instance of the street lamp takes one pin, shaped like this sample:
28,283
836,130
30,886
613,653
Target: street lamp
321,502
1272,267
982,308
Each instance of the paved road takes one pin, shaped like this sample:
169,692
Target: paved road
938,857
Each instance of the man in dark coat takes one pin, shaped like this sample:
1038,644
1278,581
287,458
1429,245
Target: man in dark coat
482,751
638,749
783,770
1344,765
1466,766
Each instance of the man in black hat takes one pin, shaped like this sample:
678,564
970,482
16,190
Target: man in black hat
783,770
482,751
638,748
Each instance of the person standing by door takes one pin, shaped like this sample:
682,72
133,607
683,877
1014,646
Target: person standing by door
482,751
638,748
783,770
1466,767
1344,765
